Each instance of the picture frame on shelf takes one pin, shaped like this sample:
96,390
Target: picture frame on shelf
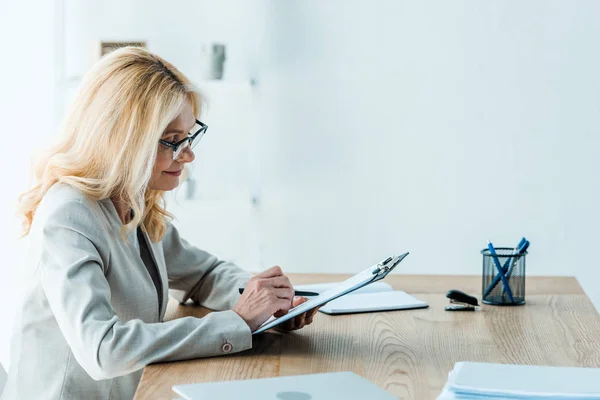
102,48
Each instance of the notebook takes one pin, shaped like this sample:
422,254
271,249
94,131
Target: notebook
323,287
326,386
473,380
378,296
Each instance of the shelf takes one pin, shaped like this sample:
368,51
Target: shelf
225,83
74,81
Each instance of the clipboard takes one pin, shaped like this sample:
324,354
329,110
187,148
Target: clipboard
372,274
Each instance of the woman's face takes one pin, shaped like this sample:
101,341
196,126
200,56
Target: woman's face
165,175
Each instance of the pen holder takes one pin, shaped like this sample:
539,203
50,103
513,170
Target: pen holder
494,290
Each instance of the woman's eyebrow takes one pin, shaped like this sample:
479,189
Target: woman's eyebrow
176,131
170,131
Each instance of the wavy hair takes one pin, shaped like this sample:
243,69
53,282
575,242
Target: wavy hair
106,146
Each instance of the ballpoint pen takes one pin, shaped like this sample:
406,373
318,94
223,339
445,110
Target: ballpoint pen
513,262
505,267
296,292
500,271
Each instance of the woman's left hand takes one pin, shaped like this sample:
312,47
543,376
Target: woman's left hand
301,320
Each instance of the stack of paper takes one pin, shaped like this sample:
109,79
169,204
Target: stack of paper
474,381
378,296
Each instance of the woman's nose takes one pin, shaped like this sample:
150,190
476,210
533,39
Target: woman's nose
187,156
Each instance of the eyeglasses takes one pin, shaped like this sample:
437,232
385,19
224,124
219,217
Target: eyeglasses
189,142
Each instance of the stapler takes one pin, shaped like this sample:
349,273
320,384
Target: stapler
460,301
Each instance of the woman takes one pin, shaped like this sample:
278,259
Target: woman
104,254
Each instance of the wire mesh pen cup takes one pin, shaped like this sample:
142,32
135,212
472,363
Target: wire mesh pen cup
494,289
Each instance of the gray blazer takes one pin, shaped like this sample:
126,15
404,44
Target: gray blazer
90,320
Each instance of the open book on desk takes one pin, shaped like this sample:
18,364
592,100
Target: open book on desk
378,296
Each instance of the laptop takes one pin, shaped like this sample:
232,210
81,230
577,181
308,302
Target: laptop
327,386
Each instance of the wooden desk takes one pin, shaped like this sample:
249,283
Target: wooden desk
408,353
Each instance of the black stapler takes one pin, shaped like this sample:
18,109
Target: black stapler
460,301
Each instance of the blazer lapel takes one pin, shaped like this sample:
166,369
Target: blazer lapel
158,256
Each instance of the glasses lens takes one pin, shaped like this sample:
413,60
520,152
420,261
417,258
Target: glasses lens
196,133
197,139
182,148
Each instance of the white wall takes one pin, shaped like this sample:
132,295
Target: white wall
385,126
431,127
27,118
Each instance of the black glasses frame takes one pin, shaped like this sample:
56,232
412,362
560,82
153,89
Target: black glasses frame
175,146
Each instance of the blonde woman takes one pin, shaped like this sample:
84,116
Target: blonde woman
104,254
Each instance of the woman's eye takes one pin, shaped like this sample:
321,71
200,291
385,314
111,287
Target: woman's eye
172,139
179,138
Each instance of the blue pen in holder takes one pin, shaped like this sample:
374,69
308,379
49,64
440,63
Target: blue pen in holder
494,286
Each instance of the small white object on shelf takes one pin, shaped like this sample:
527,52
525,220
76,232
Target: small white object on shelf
212,60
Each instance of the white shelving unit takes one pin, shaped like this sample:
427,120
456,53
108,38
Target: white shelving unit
226,84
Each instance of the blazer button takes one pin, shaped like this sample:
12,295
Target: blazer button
227,347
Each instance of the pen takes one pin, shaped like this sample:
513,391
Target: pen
511,267
296,292
519,249
500,271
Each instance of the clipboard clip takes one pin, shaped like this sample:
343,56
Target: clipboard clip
386,266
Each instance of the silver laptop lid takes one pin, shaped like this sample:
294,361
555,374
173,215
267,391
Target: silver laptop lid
327,386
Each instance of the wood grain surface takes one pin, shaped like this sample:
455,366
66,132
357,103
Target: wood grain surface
408,353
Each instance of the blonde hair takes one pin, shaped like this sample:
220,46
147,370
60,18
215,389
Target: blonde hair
107,143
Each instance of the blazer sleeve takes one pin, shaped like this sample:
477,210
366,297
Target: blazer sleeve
72,274
200,276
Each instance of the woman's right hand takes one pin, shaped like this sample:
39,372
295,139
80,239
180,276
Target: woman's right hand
266,294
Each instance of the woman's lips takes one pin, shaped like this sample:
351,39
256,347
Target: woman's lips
174,173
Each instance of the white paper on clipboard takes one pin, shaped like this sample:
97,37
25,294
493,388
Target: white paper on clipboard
369,275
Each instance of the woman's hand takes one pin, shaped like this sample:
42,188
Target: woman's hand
266,294
301,320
